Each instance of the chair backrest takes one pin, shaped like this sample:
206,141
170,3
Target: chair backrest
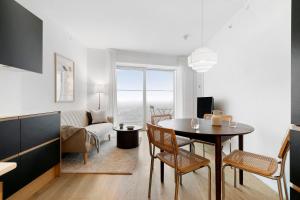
226,118
285,146
162,138
157,118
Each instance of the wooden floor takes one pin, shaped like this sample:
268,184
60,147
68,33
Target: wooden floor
135,187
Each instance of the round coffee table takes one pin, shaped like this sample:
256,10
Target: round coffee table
127,139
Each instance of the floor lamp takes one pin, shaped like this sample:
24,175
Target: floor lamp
99,91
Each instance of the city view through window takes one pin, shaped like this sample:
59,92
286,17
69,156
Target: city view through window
138,89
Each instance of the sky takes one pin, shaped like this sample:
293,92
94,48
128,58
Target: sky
155,80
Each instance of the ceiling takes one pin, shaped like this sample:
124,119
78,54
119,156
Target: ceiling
155,26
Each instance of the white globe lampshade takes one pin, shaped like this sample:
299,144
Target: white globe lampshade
202,59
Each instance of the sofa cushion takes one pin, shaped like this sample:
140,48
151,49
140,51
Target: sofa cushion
101,130
98,116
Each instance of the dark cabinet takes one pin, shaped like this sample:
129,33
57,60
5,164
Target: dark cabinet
9,138
37,162
295,101
294,159
295,75
33,142
294,194
39,129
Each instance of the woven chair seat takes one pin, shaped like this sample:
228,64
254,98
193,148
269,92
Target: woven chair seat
254,163
182,141
186,160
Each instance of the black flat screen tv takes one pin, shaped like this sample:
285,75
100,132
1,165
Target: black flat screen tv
21,37
205,105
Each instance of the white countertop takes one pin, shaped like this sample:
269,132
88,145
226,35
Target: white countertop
6,167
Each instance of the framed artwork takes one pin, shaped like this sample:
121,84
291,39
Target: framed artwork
64,79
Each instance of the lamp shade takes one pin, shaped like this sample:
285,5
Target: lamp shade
99,88
202,59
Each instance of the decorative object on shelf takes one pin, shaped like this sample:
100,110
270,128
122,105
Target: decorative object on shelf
121,125
202,59
100,88
64,79
217,119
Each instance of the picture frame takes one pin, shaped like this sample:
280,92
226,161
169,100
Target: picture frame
64,79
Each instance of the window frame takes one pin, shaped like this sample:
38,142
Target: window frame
144,69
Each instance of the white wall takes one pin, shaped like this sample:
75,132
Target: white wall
123,56
24,92
99,68
252,79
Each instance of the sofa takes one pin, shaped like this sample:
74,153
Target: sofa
78,135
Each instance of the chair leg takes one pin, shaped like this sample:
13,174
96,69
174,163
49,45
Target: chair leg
209,182
223,181
192,148
203,149
85,157
150,179
180,179
279,189
230,145
285,187
234,177
176,185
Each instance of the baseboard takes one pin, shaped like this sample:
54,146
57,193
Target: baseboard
34,186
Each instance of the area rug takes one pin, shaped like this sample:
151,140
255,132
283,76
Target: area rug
110,160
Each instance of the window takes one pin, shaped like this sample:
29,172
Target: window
140,88
130,102
160,92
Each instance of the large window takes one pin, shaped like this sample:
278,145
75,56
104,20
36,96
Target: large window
159,92
138,89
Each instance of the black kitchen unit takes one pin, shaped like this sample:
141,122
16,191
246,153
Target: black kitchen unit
295,98
33,142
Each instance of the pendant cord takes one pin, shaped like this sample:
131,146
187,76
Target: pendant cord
202,22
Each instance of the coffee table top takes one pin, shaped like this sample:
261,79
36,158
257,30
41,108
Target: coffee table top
136,128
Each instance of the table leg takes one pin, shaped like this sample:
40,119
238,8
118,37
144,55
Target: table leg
218,167
241,147
162,169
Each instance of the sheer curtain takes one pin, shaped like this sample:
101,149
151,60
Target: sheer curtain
112,95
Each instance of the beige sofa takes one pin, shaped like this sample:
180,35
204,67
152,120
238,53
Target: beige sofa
80,137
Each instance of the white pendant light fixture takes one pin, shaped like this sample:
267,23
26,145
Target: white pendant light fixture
202,59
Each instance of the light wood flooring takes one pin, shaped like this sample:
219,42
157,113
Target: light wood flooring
135,187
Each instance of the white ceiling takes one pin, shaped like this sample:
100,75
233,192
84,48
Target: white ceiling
155,26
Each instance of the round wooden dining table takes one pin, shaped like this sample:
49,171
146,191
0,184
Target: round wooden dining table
215,135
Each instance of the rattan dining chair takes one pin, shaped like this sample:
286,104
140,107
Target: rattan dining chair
181,141
226,118
181,160
260,165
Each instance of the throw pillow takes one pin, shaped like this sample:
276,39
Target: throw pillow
98,116
89,116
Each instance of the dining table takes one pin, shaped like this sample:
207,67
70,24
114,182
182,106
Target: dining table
209,134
